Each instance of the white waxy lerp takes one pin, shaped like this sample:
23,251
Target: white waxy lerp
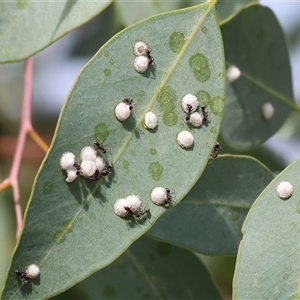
131,201
191,100
122,111
185,139
141,64
134,202
140,48
88,168
88,153
100,163
196,119
67,161
159,196
72,175
284,189
33,271
267,110
233,73
150,120
119,207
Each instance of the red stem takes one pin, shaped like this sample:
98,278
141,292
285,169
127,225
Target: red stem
25,127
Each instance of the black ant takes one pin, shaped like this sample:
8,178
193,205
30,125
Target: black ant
107,170
149,56
137,214
204,113
169,197
77,167
96,175
102,173
189,112
216,148
100,147
128,101
23,275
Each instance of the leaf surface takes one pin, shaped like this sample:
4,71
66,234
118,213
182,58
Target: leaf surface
130,12
210,218
268,257
153,270
28,27
255,44
71,230
226,9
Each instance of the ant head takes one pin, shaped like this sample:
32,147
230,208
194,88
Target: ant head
127,208
217,145
128,102
99,146
189,108
149,56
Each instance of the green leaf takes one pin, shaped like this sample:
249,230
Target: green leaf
130,12
71,230
210,217
268,256
153,270
28,27
7,230
254,43
226,9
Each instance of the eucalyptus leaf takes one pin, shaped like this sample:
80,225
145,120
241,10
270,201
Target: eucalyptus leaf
210,218
268,257
28,27
130,12
227,8
255,46
71,230
153,270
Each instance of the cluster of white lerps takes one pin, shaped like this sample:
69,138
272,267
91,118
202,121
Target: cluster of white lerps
92,166
190,105
132,204
143,57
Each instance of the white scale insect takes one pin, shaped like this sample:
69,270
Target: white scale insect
284,190
185,139
141,64
267,110
195,118
88,153
67,161
140,49
161,196
124,109
150,120
191,101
